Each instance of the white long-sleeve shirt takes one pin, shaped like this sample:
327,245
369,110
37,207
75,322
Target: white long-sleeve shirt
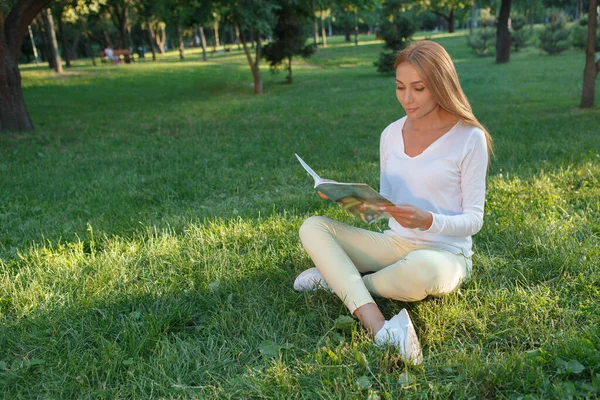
447,179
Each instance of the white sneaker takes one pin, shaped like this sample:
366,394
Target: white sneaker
311,279
400,333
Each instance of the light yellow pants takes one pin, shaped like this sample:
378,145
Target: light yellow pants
400,270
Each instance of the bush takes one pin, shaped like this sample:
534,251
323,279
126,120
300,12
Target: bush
578,35
396,30
520,34
482,40
486,18
554,38
428,20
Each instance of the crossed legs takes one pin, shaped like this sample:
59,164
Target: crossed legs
398,269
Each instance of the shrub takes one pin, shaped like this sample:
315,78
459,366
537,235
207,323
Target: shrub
428,20
520,34
482,40
578,35
554,38
396,30
486,18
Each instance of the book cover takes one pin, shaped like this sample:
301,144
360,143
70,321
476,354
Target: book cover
358,198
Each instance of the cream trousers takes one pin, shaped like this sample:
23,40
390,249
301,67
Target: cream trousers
393,268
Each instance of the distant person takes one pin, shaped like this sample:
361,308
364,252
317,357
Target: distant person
110,54
433,165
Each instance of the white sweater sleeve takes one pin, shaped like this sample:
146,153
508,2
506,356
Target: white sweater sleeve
473,173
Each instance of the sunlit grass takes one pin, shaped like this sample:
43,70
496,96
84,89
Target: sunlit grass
148,233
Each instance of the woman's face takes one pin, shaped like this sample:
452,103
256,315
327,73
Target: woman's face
415,97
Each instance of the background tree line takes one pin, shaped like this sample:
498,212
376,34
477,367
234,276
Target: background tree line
276,30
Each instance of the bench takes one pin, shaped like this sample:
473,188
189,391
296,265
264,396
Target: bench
122,54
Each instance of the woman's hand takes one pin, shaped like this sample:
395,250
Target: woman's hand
410,216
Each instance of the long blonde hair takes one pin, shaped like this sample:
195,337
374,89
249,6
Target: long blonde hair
435,67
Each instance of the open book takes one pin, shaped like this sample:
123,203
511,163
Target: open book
358,198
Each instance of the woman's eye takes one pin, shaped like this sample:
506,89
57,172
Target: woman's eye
419,89
399,88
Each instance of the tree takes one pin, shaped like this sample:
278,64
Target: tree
446,9
146,10
554,38
256,17
520,34
353,8
323,15
503,39
289,38
397,29
54,59
119,14
13,112
592,67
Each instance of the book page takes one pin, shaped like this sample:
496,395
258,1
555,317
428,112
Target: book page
310,171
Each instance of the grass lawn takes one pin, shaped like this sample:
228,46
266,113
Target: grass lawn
148,234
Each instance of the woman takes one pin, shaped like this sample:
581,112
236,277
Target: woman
433,168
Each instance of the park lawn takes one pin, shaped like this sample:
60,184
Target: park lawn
148,234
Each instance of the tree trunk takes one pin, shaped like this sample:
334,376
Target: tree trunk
323,35
73,47
35,53
13,112
356,27
63,41
451,19
237,37
55,57
531,16
203,41
503,39
86,36
151,42
254,65
289,78
129,40
160,37
46,51
216,29
592,67
163,39
330,30
123,22
316,32
181,46
107,38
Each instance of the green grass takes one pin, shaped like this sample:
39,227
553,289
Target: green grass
148,234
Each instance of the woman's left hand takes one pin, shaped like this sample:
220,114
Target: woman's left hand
410,216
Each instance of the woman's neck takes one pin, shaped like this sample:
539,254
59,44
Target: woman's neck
435,119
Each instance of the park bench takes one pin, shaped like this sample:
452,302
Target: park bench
123,54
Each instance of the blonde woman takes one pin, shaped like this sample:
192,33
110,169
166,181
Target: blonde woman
433,167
